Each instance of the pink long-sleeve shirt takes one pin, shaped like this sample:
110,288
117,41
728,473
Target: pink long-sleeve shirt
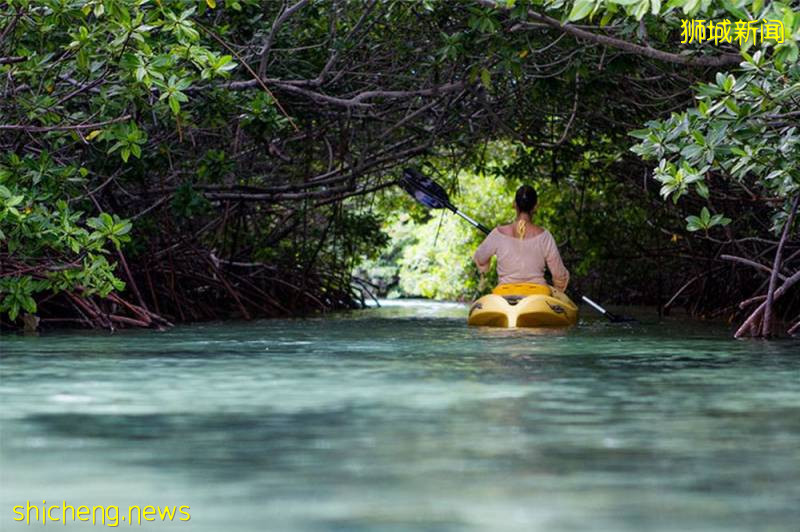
523,260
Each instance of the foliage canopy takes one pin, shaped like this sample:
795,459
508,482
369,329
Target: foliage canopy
220,157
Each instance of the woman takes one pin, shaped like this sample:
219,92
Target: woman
522,248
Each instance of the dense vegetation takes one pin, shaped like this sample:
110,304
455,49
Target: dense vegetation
190,159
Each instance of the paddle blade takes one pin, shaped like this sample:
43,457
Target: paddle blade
424,189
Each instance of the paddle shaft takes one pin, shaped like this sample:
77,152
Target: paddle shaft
599,309
472,222
612,317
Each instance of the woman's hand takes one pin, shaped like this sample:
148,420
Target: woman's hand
482,283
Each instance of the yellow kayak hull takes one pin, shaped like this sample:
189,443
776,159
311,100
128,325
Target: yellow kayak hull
536,310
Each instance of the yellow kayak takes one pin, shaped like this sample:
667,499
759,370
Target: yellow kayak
523,305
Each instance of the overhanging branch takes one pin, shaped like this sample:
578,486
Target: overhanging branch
613,42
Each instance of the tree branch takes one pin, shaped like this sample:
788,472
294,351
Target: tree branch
647,51
752,263
12,59
766,329
750,322
264,53
45,129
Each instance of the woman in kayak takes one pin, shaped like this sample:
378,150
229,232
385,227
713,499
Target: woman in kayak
522,248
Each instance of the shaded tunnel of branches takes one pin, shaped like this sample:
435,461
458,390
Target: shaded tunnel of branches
254,200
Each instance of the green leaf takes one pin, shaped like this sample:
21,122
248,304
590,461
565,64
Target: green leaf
580,9
28,304
689,6
728,83
735,10
14,200
655,7
641,9
175,105
122,229
486,78
115,147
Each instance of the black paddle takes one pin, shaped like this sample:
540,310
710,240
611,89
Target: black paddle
428,192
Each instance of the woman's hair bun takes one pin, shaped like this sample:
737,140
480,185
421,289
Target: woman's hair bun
525,198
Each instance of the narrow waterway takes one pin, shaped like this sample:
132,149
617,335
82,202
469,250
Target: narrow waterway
403,418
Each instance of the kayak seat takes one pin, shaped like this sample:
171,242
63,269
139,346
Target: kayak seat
521,290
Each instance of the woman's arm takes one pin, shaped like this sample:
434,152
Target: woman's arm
555,264
483,255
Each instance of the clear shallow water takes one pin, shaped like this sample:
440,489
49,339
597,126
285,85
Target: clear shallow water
402,418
